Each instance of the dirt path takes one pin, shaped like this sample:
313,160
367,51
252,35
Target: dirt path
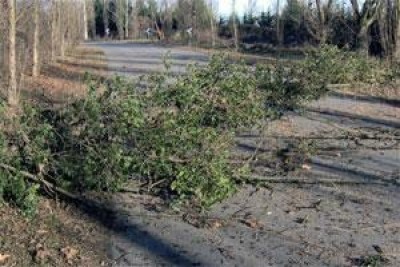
292,224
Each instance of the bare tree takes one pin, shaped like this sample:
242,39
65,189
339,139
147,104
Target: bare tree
61,28
119,16
212,23
396,28
364,17
235,26
279,29
12,93
135,19
36,40
318,21
105,16
126,29
54,30
85,21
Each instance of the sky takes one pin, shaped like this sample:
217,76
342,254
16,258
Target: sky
225,6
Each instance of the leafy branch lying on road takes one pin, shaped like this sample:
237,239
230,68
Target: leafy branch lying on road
178,134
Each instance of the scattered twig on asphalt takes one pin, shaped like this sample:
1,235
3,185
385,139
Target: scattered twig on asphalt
266,180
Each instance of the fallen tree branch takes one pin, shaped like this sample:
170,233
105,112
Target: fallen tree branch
40,181
270,180
363,136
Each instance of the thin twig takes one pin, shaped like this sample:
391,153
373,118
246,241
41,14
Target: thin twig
266,180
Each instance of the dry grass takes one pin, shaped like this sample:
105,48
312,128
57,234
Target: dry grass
64,80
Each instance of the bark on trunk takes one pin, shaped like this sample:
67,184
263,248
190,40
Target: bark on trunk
36,41
12,61
105,17
396,30
362,40
212,24
127,19
279,31
62,29
54,37
85,22
235,27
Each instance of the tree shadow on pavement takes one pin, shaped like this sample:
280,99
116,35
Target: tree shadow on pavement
369,99
137,236
354,119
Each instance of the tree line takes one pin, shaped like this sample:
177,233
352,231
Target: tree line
365,25
35,32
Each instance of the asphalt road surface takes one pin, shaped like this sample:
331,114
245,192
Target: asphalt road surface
289,224
135,59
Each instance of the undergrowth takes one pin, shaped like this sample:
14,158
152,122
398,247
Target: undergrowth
178,133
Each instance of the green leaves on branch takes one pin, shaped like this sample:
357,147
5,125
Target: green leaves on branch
178,133
330,65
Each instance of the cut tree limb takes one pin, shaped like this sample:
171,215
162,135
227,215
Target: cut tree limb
40,181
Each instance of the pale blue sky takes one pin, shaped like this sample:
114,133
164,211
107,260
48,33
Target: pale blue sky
225,6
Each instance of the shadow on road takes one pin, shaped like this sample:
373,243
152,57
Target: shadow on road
137,236
355,172
369,99
338,116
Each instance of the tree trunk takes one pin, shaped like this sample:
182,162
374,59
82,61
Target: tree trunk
105,17
12,94
364,19
85,22
93,20
54,37
279,31
235,27
135,21
127,19
36,41
324,36
362,40
119,17
212,24
396,30
61,27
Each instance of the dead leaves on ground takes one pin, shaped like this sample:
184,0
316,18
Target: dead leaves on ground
41,253
252,223
69,253
4,258
200,221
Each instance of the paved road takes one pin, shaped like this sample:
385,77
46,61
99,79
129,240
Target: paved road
297,224
134,59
